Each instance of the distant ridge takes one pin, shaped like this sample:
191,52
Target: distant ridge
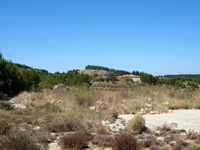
22,66
183,75
93,72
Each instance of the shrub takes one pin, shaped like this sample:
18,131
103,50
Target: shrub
81,96
165,148
45,85
102,140
6,105
19,141
154,147
136,124
50,107
177,147
77,140
59,125
124,141
101,129
193,147
182,142
4,127
42,139
4,96
148,142
165,127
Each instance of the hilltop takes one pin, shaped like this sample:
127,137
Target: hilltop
91,72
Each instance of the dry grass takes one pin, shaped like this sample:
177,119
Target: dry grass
76,141
125,101
124,141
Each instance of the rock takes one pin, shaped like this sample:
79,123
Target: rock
161,139
19,106
166,103
61,87
53,134
124,100
19,103
52,101
15,100
52,137
59,101
152,112
108,148
92,108
149,105
101,105
27,102
170,111
149,99
54,146
36,128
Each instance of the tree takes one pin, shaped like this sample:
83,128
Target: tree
10,78
148,78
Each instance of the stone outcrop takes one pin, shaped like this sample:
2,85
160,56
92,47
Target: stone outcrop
19,103
61,87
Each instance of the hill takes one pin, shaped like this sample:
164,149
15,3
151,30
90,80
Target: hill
183,75
93,72
41,71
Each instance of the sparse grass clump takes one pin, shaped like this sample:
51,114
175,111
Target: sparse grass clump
6,105
124,141
19,141
136,124
193,147
4,126
81,95
50,107
77,141
102,140
59,124
101,129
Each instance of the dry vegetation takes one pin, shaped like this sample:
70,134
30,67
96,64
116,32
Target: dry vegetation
82,109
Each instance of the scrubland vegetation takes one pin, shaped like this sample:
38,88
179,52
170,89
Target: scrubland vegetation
61,111
75,114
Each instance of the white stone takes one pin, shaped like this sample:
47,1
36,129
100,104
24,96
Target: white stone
92,108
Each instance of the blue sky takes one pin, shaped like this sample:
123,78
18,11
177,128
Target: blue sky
155,36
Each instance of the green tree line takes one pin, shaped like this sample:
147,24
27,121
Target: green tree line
111,71
15,78
12,81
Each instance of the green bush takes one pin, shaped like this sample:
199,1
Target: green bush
6,105
136,124
4,96
19,141
45,85
193,147
50,107
59,125
4,127
42,139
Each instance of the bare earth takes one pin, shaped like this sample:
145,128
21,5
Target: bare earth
185,119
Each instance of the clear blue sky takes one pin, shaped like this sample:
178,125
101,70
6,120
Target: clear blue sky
155,36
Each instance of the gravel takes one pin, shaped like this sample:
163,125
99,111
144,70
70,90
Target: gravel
184,118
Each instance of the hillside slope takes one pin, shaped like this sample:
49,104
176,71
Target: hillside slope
93,71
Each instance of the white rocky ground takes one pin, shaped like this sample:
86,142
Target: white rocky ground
185,119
